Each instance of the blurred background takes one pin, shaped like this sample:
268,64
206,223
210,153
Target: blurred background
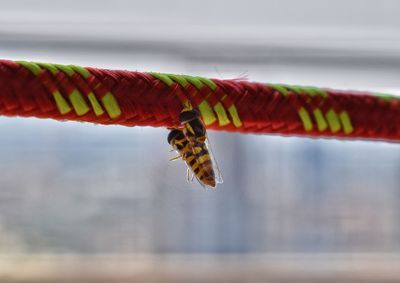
80,202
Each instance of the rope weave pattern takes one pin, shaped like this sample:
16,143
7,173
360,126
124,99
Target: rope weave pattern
154,99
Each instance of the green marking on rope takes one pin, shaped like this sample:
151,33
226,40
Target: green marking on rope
33,67
298,89
207,113
387,97
82,71
98,110
221,113
67,70
309,90
111,105
313,91
280,88
76,98
78,102
62,104
284,89
305,118
194,80
224,120
319,117
322,125
346,122
235,116
333,121
179,79
204,107
319,91
162,77
53,70
303,114
213,86
219,109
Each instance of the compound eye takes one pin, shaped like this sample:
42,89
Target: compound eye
188,115
174,135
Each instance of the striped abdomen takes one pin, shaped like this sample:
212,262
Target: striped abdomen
196,156
201,164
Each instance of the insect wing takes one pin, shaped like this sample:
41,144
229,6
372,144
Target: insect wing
217,172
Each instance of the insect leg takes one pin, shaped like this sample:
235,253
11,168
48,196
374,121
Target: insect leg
175,158
188,174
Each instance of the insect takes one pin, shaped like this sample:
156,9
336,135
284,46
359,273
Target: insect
192,145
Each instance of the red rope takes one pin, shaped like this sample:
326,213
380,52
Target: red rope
145,99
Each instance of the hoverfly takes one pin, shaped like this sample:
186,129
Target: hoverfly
192,145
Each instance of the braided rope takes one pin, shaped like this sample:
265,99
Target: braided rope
154,99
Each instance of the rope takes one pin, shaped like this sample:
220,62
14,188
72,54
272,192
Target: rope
126,98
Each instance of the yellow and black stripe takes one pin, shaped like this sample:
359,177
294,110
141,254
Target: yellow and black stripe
196,156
